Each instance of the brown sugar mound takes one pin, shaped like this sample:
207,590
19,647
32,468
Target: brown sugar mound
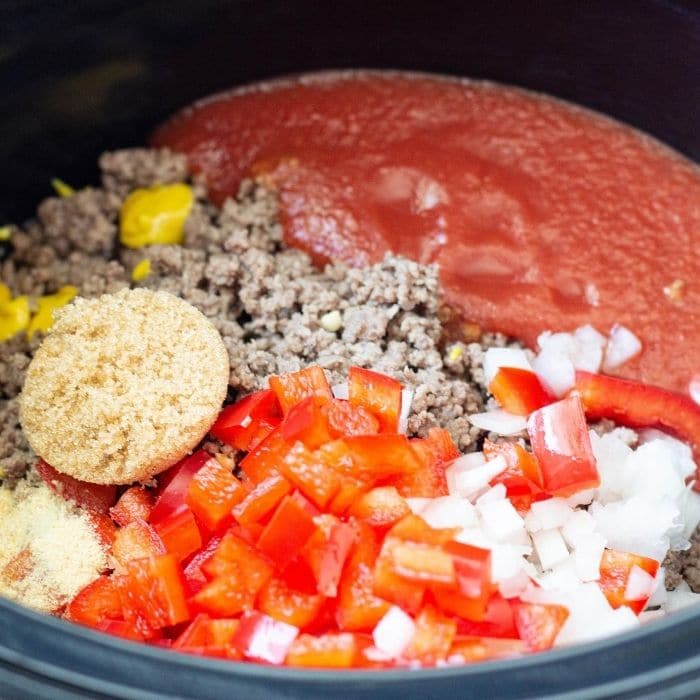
123,386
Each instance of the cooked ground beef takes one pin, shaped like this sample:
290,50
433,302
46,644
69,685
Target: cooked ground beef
266,300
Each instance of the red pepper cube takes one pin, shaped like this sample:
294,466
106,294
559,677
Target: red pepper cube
382,455
539,624
153,593
456,603
291,388
137,540
263,499
262,638
377,393
195,634
345,419
326,552
497,619
307,422
615,568
134,504
94,498
519,391
194,576
433,638
472,568
560,442
478,648
310,474
96,602
283,602
247,422
180,533
262,461
422,563
324,651
212,493
175,483
414,528
289,529
120,628
380,507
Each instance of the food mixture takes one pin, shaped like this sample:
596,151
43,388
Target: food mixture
386,484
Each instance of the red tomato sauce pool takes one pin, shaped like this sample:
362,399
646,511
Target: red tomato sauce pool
540,214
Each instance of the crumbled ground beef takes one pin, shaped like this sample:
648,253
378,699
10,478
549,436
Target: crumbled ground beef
684,565
266,300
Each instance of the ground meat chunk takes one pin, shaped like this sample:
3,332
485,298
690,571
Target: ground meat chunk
126,170
684,565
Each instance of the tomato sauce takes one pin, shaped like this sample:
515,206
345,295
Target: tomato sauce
541,215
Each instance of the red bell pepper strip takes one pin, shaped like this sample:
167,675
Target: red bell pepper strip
560,442
262,638
377,393
538,625
247,422
94,498
283,602
519,391
288,530
135,503
640,406
212,493
615,568
96,602
178,478
291,388
324,651
180,533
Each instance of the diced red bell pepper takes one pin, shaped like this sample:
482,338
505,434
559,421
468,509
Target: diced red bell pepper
247,422
389,585
135,503
261,462
291,388
326,552
383,455
520,462
238,572
380,507
206,633
538,624
497,621
640,406
104,528
212,493
559,437
306,421
472,568
262,500
262,638
414,528
324,651
519,391
433,637
377,393
136,541
615,568
94,498
477,648
454,602
195,634
178,479
435,452
350,490
180,533
422,563
290,527
345,419
120,628
194,577
310,474
97,601
153,595
279,600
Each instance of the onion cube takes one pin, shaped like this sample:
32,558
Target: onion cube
553,512
640,584
394,632
500,519
550,547
587,555
580,524
466,481
622,346
449,511
499,421
495,358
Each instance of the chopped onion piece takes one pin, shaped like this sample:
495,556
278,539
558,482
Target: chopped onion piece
580,524
465,481
406,401
507,561
500,519
514,586
499,421
622,346
552,512
640,584
449,511
495,493
394,632
341,391
476,537
550,547
495,358
589,349
658,597
555,370
587,555
418,505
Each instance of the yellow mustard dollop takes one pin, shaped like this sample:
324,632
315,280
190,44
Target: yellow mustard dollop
62,189
5,293
141,270
14,315
46,305
155,215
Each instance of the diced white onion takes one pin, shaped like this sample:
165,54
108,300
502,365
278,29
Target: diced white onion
449,511
500,519
589,349
555,370
466,481
550,547
580,524
499,421
587,555
406,401
694,388
514,586
507,561
658,597
622,346
495,358
341,391
552,512
417,505
495,493
640,584
394,632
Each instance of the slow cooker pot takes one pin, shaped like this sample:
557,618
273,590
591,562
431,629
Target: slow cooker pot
78,78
